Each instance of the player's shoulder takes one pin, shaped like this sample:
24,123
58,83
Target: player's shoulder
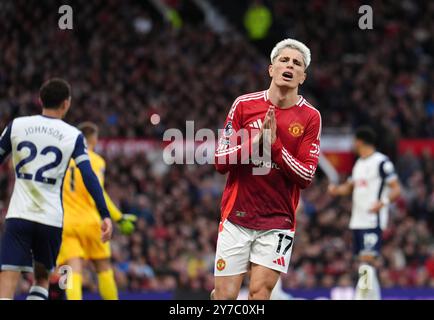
23,120
310,113
71,128
380,157
308,107
252,96
247,99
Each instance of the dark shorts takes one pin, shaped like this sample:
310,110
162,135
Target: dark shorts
367,242
26,241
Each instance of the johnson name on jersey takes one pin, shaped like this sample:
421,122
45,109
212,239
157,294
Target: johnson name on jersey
41,149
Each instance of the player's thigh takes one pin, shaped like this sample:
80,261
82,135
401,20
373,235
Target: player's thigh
46,245
262,282
233,250
272,249
8,283
16,246
227,287
71,249
93,247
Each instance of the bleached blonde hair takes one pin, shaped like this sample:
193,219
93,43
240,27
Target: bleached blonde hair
293,44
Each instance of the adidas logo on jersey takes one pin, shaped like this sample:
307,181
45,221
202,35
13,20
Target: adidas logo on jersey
257,124
280,261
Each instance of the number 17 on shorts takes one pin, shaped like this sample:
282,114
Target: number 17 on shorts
237,247
277,254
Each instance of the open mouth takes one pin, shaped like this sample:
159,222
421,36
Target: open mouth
288,75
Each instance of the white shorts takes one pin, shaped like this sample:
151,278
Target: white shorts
237,246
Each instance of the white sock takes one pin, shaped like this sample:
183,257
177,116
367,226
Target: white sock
37,293
368,286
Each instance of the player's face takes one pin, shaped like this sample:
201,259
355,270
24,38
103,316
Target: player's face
357,145
92,139
288,69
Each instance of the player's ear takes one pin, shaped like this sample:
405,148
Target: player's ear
270,70
65,105
303,78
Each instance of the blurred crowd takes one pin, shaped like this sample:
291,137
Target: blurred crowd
126,64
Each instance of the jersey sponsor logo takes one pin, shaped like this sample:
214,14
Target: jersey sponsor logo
257,124
221,264
264,164
296,129
228,129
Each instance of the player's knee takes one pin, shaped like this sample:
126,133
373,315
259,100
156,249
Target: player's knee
260,294
102,265
225,293
260,291
369,259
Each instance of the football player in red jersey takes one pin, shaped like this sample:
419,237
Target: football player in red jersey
257,224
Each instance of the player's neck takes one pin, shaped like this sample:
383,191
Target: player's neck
283,97
52,113
367,152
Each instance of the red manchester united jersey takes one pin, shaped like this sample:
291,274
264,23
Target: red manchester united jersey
264,202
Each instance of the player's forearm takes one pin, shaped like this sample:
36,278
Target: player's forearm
94,188
299,172
394,193
115,213
344,189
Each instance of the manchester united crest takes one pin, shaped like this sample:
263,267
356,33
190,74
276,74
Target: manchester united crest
296,129
221,264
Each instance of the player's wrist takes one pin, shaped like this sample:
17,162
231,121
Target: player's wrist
276,145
